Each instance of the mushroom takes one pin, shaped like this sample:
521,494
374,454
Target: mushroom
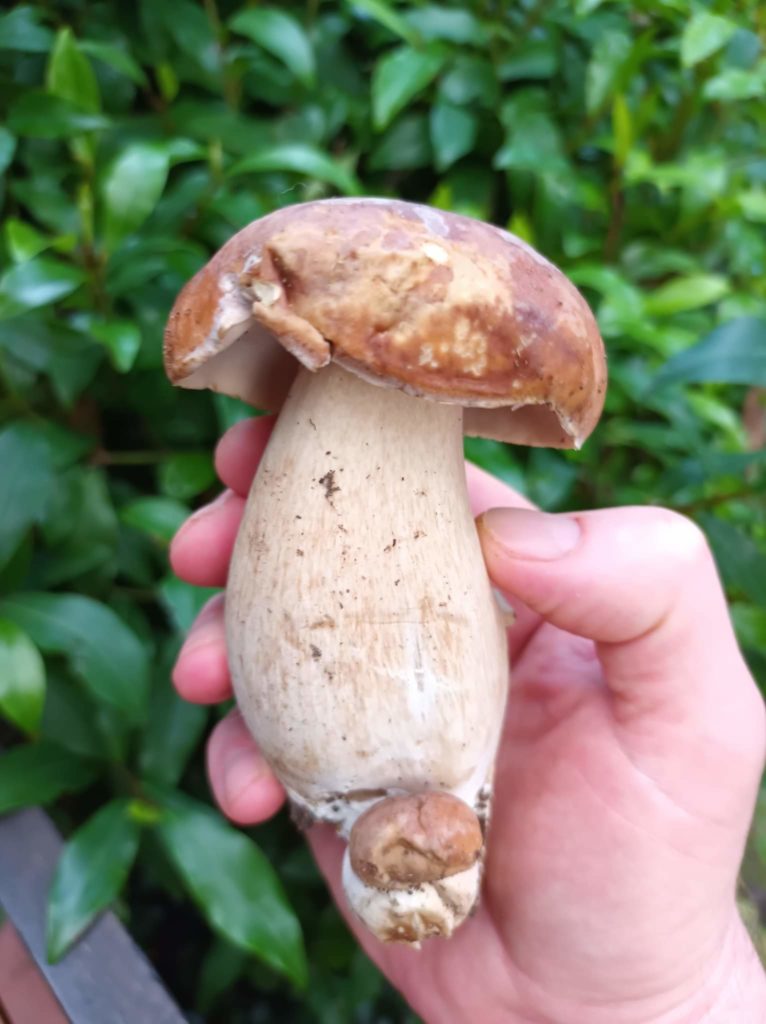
367,650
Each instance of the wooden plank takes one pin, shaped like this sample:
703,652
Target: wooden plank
105,978
25,997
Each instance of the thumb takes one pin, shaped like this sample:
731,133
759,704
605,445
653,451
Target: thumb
642,584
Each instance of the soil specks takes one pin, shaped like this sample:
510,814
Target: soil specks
328,482
326,622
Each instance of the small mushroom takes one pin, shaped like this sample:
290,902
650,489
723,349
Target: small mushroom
367,650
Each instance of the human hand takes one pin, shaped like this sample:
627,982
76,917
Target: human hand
625,782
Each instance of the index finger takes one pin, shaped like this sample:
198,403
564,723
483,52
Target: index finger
240,450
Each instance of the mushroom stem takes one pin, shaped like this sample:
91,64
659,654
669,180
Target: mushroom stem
368,654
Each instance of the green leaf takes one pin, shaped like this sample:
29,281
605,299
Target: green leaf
469,79
40,115
454,25
192,30
234,885
7,148
742,563
38,773
719,414
684,293
534,140
736,84
750,624
38,282
160,518
404,146
116,58
549,479
453,133
22,678
397,79
743,49
607,63
28,480
90,874
21,30
70,717
70,75
80,529
173,729
230,410
703,35
15,573
302,159
497,458
733,353
131,188
585,7
186,474
536,59
709,466
102,650
167,80
753,205
22,240
61,447
281,35
222,966
387,16
183,602
122,339
466,189
703,173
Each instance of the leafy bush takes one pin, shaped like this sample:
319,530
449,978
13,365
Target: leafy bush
623,140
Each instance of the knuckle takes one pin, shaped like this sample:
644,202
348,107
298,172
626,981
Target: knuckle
681,538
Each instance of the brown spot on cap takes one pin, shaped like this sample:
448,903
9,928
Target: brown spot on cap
407,840
438,304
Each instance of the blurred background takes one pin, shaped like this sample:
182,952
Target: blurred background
623,140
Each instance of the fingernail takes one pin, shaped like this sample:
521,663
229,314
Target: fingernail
182,662
195,517
538,536
241,770
222,498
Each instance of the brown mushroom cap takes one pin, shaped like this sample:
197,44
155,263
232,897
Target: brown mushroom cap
408,840
440,305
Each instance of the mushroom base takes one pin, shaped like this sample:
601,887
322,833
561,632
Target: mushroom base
424,911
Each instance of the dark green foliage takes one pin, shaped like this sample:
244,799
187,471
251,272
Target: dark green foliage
91,872
625,141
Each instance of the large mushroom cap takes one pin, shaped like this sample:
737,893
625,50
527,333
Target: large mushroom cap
440,305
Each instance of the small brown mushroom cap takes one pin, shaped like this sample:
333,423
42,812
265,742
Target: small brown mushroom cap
408,840
438,304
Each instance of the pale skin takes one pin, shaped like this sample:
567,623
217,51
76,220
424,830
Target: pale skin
626,779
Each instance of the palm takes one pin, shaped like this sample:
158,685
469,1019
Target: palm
575,824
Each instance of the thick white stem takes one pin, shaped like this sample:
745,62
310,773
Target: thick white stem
367,652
